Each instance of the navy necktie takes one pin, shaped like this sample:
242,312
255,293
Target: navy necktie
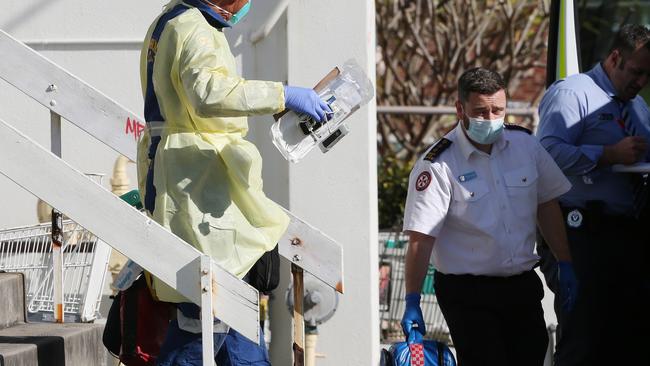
630,128
639,181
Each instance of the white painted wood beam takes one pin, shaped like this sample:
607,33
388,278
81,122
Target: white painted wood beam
124,228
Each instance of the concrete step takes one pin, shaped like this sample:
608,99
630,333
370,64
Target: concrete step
48,344
18,354
12,299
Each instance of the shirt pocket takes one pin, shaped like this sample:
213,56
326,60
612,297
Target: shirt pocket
470,201
521,185
471,191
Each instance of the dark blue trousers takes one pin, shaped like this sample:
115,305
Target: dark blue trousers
611,320
182,348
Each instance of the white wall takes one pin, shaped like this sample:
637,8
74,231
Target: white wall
337,191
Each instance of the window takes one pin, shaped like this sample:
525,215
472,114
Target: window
599,20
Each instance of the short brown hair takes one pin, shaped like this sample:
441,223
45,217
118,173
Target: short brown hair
631,37
479,80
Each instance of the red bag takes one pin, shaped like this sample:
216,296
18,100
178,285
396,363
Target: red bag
136,325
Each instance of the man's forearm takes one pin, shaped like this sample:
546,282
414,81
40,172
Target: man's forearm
417,260
551,224
572,159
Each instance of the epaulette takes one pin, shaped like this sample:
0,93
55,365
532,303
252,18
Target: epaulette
437,149
509,126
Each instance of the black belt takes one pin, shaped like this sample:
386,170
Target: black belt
473,277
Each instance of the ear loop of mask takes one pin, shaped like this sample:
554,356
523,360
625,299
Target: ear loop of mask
238,16
234,18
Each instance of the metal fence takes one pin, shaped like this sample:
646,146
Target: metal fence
29,250
392,249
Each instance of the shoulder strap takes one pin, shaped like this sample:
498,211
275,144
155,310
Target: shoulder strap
509,126
151,107
437,149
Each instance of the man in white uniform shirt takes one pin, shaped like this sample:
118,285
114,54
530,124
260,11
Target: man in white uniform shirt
474,201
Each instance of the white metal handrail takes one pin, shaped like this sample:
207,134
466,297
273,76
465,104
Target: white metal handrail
69,97
29,250
421,109
50,43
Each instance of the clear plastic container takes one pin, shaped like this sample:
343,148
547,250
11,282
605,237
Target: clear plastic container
296,135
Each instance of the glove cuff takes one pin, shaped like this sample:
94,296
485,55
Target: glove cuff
412,298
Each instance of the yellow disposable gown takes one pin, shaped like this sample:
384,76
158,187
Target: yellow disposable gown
207,177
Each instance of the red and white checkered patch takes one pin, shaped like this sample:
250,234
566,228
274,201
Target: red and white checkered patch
423,181
417,354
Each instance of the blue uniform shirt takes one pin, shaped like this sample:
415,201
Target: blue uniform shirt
579,115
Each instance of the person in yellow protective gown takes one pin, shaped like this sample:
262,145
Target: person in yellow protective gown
200,177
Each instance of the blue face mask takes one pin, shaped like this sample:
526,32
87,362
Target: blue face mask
238,16
485,131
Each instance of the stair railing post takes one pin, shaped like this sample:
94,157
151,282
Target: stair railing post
57,223
298,315
207,317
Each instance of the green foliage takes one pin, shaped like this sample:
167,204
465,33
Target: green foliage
393,179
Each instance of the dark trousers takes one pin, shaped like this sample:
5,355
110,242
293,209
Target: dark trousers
494,321
182,348
609,324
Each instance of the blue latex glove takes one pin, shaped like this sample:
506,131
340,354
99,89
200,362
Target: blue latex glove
412,319
304,100
568,285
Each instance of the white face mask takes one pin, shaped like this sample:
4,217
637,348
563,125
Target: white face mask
484,131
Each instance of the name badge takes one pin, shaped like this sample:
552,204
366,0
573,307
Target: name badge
467,176
605,117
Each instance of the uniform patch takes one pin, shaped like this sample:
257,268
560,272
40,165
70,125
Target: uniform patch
437,149
152,50
512,127
574,219
423,181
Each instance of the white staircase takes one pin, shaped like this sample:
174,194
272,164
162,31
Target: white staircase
115,222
